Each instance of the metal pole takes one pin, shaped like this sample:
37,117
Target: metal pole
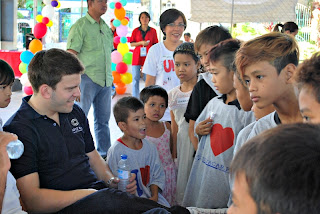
81,8
232,10
35,10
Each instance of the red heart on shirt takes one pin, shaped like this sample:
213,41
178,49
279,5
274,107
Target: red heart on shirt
145,175
221,139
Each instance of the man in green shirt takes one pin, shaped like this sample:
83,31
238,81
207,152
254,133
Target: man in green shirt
91,40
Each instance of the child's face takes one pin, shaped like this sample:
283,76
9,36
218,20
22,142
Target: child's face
266,87
185,67
155,108
204,55
221,77
5,95
309,106
243,203
136,124
243,95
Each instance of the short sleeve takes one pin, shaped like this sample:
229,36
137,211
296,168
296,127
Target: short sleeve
193,108
150,65
75,38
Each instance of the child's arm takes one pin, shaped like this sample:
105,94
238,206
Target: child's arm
154,192
194,139
173,136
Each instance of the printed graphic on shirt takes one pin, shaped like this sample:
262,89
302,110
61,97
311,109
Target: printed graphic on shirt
77,128
221,139
145,177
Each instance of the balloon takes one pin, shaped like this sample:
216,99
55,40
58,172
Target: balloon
121,88
28,90
116,57
122,30
39,18
50,24
23,67
116,23
122,67
35,46
127,18
118,5
123,2
124,22
48,11
113,66
24,79
127,58
45,20
54,3
116,77
123,48
116,39
46,1
59,5
26,56
40,30
123,40
126,78
112,5
119,13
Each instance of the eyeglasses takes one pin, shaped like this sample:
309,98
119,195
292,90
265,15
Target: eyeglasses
178,25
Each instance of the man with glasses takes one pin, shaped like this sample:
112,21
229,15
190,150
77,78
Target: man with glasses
91,40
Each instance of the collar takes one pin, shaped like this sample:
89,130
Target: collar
234,102
277,118
92,21
28,111
140,28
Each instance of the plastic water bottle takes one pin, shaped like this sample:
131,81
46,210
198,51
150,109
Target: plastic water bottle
15,149
123,173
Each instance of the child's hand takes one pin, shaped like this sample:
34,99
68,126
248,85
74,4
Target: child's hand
204,127
132,186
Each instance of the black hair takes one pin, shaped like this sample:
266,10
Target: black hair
6,73
187,34
145,13
153,90
169,16
186,48
288,26
124,105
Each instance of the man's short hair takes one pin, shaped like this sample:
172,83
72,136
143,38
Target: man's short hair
49,66
281,169
308,75
211,35
6,73
123,107
187,34
278,49
153,90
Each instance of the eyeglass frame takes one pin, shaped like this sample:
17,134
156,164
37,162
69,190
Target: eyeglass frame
178,25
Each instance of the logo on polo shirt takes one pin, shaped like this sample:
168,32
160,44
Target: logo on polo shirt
76,129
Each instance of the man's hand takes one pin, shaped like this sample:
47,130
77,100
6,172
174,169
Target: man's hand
5,138
132,186
204,127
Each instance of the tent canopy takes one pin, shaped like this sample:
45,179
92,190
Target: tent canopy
236,11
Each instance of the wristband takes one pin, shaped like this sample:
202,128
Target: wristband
109,181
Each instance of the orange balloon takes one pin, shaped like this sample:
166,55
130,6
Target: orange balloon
116,77
35,46
120,13
121,88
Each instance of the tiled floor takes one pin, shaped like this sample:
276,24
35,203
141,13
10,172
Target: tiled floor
16,100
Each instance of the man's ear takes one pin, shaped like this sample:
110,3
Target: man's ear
45,91
122,126
290,72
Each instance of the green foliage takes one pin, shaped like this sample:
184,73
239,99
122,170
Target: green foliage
19,15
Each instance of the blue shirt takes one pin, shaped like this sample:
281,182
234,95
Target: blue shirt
56,153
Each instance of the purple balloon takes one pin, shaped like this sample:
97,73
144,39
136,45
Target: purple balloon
122,31
54,3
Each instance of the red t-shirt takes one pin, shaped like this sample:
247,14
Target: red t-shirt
137,37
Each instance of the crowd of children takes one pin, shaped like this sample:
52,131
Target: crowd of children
236,137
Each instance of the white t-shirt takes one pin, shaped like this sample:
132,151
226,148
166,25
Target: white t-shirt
160,64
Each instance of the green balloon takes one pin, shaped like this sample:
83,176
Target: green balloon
127,58
23,68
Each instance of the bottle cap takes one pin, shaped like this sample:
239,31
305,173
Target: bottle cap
124,157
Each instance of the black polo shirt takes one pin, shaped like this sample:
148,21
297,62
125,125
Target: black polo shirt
56,153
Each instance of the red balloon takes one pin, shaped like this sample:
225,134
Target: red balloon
122,67
45,20
40,30
28,90
121,88
116,39
118,5
127,19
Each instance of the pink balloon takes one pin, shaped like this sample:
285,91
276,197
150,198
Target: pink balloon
28,90
45,20
40,30
116,39
122,31
122,67
118,5
116,57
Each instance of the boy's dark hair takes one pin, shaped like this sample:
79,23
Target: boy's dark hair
186,48
281,169
278,49
126,104
290,26
308,75
225,51
211,36
49,66
6,73
169,16
145,13
153,90
187,34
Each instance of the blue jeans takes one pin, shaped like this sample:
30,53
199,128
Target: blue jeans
135,80
100,98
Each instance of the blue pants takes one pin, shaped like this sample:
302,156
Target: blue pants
135,80
100,98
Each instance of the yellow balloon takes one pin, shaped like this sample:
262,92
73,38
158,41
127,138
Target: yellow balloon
50,23
126,78
123,48
59,5
39,18
124,22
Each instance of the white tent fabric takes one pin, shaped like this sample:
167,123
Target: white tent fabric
236,11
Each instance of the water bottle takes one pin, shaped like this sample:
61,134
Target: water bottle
15,149
123,173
